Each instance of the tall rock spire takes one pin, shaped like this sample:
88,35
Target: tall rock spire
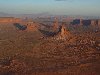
55,25
63,33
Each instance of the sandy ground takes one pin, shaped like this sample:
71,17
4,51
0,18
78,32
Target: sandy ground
25,53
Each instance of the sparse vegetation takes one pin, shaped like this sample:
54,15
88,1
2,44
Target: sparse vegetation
23,52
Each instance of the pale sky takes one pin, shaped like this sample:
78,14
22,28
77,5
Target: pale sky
65,7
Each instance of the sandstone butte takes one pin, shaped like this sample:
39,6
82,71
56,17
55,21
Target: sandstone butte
63,33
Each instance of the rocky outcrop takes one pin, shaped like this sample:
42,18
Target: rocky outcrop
63,34
55,24
31,26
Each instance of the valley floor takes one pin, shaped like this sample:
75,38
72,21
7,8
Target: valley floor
26,53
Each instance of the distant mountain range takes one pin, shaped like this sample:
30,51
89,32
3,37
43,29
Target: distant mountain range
23,15
2,14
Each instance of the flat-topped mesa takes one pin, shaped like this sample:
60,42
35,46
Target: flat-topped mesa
31,26
27,25
9,20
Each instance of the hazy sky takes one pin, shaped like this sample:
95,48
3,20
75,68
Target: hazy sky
66,7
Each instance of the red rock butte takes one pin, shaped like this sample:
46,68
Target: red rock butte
31,26
63,33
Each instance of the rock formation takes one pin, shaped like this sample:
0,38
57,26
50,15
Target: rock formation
31,26
93,22
9,20
99,23
55,25
81,22
63,34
